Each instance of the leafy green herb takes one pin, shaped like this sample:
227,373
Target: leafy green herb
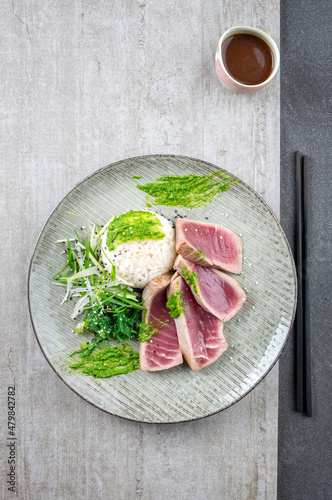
137,177
110,311
108,319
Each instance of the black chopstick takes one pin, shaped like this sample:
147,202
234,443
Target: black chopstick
299,311
306,297
303,356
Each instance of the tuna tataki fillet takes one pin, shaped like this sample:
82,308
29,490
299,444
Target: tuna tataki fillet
209,245
162,351
200,333
215,291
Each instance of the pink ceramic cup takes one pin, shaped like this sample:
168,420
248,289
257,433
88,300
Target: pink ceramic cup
223,75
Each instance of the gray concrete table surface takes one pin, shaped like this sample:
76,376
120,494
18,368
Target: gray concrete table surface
84,84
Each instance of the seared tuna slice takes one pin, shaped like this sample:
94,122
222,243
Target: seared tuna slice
209,245
162,351
199,332
217,292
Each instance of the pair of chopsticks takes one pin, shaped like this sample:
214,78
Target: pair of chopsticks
303,360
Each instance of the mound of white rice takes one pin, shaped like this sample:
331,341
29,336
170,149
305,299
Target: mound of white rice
138,262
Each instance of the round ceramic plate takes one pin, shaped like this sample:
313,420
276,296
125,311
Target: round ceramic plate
256,335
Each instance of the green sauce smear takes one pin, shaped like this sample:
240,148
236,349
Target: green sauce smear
175,304
109,361
190,277
190,191
133,226
146,331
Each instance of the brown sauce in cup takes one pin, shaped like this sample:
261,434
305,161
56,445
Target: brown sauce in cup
247,58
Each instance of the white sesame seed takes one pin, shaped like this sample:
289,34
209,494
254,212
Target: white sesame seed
257,282
250,265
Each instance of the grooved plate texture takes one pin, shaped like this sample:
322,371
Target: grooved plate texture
255,336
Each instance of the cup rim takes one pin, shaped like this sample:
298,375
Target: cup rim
261,34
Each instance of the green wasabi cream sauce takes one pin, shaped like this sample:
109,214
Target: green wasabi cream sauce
175,304
109,361
190,277
190,191
133,226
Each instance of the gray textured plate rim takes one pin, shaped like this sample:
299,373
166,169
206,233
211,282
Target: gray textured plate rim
204,163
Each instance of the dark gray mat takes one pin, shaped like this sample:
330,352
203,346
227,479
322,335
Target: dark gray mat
304,467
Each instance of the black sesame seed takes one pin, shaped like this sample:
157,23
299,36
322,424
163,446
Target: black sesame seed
176,211
157,345
155,352
207,218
